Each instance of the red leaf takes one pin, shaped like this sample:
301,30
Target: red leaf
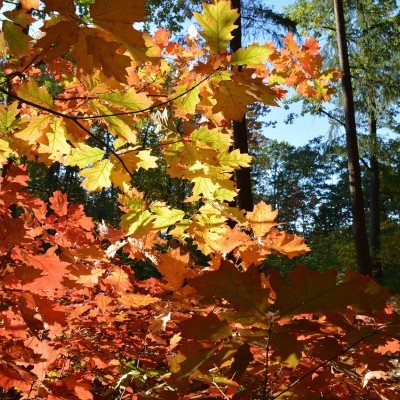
59,203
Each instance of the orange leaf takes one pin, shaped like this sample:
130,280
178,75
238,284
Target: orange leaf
261,219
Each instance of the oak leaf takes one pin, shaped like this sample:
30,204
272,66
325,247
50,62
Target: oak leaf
262,218
218,23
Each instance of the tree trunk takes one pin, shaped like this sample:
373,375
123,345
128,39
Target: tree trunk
375,219
240,132
356,193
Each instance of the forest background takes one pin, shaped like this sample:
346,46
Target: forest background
131,265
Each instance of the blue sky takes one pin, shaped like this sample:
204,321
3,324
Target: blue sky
303,128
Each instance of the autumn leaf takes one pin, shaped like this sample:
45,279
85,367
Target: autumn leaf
30,91
97,177
59,203
136,300
165,216
251,55
130,99
241,290
65,7
218,23
209,327
84,155
232,100
16,38
262,218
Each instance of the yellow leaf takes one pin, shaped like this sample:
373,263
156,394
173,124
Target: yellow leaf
252,55
218,22
146,159
130,99
186,100
165,216
261,219
98,176
234,160
213,138
34,129
8,115
84,155
115,124
204,186
57,144
30,91
5,151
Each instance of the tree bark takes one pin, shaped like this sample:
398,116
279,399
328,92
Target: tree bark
240,132
356,193
375,219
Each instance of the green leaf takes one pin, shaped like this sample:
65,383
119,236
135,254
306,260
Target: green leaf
252,55
98,176
17,40
84,155
218,22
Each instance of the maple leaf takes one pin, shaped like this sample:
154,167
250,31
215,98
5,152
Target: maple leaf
147,161
205,187
290,245
34,129
234,160
106,13
218,23
8,115
186,100
57,145
214,138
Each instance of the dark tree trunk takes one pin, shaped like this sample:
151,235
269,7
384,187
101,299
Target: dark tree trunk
375,219
356,193
240,132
